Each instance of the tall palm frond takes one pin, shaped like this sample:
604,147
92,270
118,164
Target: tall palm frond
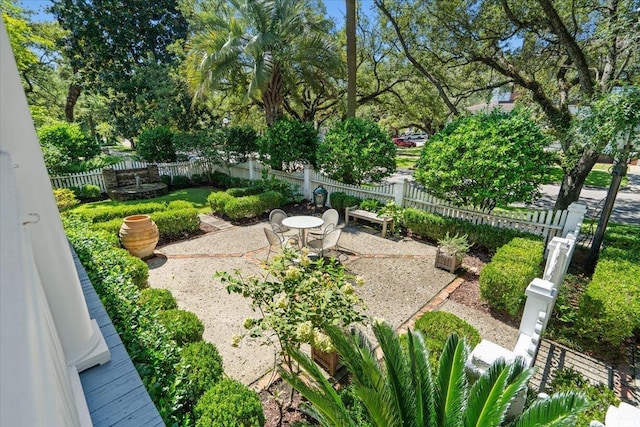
555,411
451,389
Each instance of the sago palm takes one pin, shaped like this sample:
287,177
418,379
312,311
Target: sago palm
266,47
400,389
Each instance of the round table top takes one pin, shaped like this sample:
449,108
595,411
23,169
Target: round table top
302,221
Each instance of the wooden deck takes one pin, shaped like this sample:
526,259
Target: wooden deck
114,391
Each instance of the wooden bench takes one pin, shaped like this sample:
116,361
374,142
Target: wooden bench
356,213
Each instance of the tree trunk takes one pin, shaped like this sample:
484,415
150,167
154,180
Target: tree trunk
573,180
351,58
72,98
272,97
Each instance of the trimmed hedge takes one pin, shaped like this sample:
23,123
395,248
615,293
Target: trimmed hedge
222,180
104,212
229,404
218,201
184,326
435,227
504,280
200,367
114,273
610,306
157,299
438,325
339,201
251,206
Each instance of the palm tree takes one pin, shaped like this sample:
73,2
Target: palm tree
401,390
266,47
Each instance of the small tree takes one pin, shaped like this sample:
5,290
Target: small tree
297,298
156,145
64,146
357,150
486,160
289,142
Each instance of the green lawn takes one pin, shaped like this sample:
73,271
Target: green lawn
196,196
406,158
600,176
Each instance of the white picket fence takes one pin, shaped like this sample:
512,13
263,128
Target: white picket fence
545,223
95,176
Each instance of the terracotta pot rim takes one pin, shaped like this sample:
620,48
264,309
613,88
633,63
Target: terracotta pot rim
137,217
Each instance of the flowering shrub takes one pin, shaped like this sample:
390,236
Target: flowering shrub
297,297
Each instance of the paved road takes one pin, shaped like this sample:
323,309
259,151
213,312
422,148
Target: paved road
626,209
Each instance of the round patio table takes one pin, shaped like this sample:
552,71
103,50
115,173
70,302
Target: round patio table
303,223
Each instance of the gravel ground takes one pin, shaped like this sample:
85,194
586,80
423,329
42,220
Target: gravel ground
399,273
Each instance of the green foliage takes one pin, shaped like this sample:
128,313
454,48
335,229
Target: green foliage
229,403
166,179
486,160
400,389
200,367
455,245
222,180
339,201
218,200
65,198
176,222
436,227
504,280
357,150
371,205
180,181
599,397
438,325
114,274
157,299
610,306
90,191
252,206
156,145
65,146
100,212
184,326
297,298
240,143
244,191
287,143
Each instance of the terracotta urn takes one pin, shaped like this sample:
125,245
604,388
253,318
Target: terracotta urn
139,235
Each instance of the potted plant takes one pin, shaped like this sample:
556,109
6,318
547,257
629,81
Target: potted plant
451,251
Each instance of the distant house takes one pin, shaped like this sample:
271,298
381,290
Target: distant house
499,99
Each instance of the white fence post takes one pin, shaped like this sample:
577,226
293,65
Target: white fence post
575,216
557,261
399,191
252,169
306,186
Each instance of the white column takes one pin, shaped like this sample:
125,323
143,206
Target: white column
575,217
80,337
557,261
540,296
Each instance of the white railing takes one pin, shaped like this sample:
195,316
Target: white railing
545,223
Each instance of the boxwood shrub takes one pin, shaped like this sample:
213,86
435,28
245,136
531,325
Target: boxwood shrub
104,212
438,325
218,200
184,326
339,201
176,222
434,227
157,299
231,404
252,206
200,367
504,280
244,191
180,181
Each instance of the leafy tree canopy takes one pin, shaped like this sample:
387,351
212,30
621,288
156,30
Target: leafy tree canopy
64,145
289,144
486,160
357,150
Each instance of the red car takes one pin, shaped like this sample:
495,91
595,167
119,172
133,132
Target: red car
401,141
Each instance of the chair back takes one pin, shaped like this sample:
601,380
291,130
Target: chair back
272,237
330,216
331,238
275,219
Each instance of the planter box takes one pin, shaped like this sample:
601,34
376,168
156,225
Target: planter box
330,362
446,261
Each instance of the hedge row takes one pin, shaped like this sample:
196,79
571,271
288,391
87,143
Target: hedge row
339,201
610,306
152,330
236,208
436,227
504,280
